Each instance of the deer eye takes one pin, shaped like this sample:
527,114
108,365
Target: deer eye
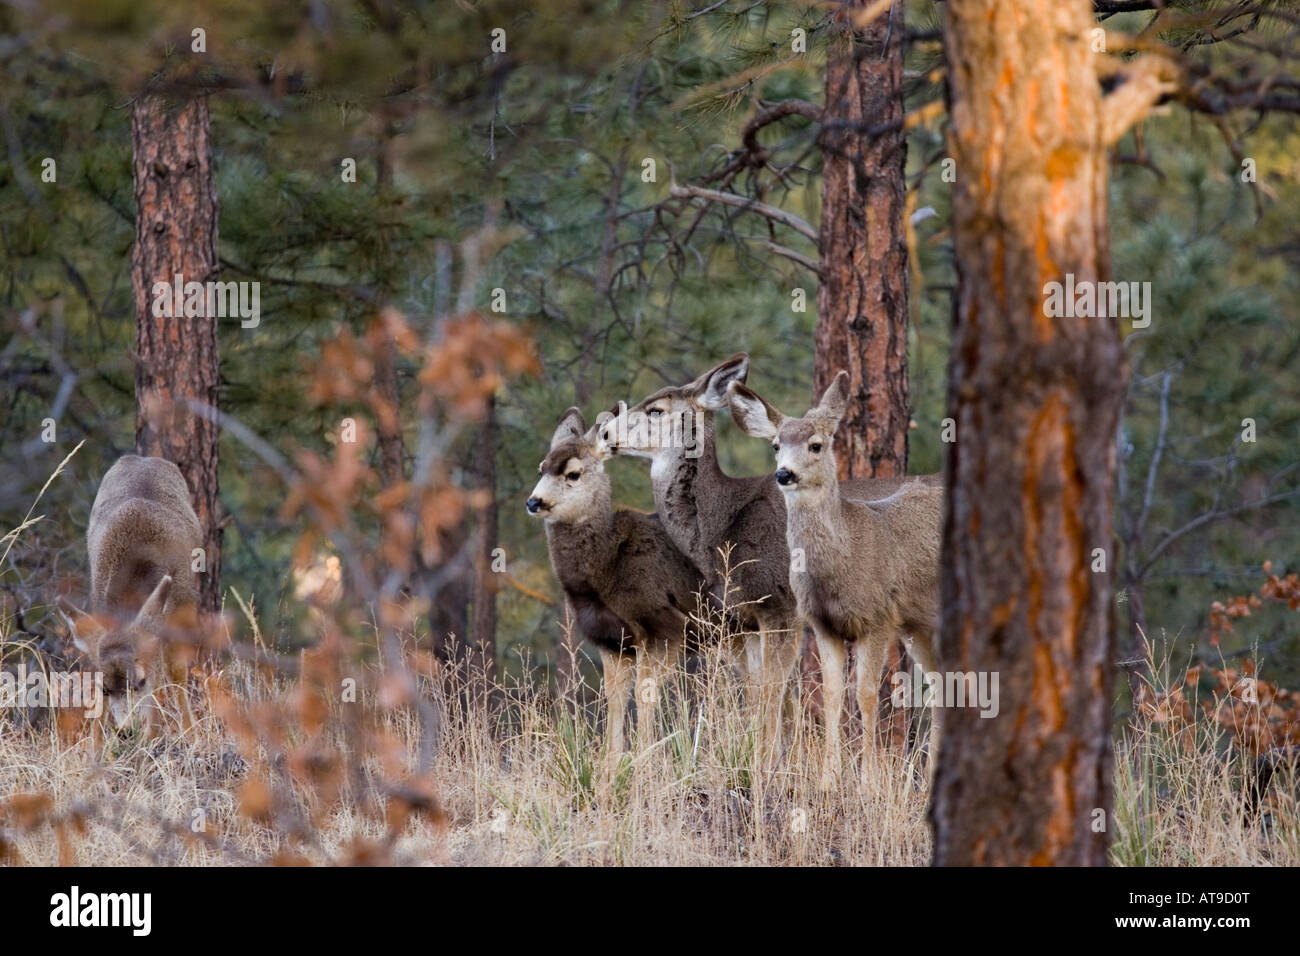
573,475
815,447
776,446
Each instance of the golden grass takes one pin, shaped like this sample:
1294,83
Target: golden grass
526,782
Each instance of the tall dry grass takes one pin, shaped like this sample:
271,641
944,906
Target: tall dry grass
1184,784
522,778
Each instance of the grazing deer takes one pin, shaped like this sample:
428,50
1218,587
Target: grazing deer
629,590
704,510
871,568
141,538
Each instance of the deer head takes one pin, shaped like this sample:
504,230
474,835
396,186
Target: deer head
805,460
122,651
672,420
573,485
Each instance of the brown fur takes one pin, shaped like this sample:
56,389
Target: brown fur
704,509
629,590
140,539
871,568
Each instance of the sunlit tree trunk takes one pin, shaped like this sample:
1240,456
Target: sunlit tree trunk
1036,400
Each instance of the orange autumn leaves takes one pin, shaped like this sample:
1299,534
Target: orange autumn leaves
1256,714
457,375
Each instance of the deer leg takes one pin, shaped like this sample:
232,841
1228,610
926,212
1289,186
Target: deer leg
871,652
618,674
753,641
663,661
778,659
922,651
834,656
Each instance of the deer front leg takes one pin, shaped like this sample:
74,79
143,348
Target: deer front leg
870,652
618,675
663,657
780,646
834,656
753,642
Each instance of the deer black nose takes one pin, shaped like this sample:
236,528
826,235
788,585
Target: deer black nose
785,477
534,505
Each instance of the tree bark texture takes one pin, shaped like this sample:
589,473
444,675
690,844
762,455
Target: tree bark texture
176,357
1030,479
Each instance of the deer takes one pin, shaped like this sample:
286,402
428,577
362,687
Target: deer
628,589
140,540
706,512
870,569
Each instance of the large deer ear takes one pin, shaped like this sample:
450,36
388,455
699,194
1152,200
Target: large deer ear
570,427
711,388
153,607
835,401
753,413
83,627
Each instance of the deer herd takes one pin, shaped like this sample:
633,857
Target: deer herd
856,562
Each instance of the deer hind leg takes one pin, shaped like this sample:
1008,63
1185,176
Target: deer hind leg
834,657
871,652
922,651
618,677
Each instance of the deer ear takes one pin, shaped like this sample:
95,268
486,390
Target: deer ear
80,624
835,401
752,412
711,387
569,428
153,607
600,449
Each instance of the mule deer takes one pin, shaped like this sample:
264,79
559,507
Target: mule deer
141,536
629,590
870,569
705,509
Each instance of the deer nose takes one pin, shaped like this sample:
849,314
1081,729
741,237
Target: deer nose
785,477
534,505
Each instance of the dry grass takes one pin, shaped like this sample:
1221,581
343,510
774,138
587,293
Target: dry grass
1181,784
526,782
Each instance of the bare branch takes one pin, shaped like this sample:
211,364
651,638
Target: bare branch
741,202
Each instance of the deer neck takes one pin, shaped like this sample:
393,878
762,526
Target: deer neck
815,518
681,479
580,549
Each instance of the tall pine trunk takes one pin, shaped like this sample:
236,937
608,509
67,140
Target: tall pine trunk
483,625
1036,399
176,357
862,300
